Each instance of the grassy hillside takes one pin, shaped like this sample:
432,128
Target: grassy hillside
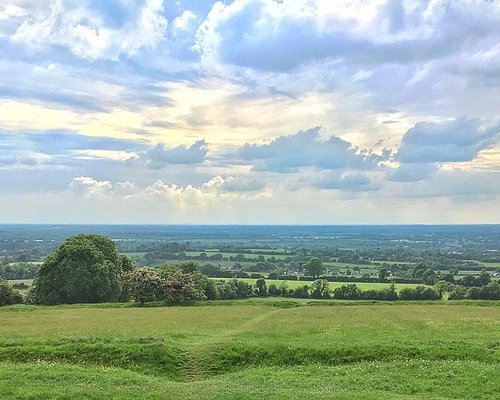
251,350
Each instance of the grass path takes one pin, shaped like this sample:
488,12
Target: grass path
197,357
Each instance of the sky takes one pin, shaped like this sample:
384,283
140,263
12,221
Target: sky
250,111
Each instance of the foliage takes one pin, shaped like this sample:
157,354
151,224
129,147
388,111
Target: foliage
346,292
319,289
179,287
8,295
261,287
84,269
168,269
143,285
314,267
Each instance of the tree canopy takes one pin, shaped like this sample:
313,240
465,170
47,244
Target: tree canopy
314,267
84,269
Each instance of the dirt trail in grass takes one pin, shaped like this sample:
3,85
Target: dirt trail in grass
197,356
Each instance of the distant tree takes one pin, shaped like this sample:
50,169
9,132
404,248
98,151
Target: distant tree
314,267
301,292
243,289
209,269
484,278
273,290
84,269
448,278
346,292
273,275
188,267
260,287
429,277
469,281
168,269
383,273
320,289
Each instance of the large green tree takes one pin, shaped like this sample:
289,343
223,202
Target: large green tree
84,269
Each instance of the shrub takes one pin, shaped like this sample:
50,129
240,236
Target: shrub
273,290
8,295
319,289
347,292
143,285
179,287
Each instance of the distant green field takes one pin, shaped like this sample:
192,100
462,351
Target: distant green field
332,285
28,282
252,256
272,349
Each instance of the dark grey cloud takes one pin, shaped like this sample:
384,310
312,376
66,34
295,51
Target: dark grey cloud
306,149
455,141
160,156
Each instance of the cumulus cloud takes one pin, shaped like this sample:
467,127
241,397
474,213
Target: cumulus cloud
160,156
183,22
89,187
217,188
306,149
96,29
454,141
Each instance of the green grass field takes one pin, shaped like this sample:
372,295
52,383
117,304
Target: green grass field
269,349
332,285
250,256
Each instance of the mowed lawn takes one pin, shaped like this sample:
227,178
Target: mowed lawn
252,350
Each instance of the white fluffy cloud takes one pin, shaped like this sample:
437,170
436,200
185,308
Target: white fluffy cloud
96,29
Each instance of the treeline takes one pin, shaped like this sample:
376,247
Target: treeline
18,271
174,285
89,269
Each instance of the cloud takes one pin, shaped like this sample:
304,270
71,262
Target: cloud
412,172
96,29
89,187
183,22
347,182
62,142
160,156
242,184
306,149
466,186
454,141
272,35
206,192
